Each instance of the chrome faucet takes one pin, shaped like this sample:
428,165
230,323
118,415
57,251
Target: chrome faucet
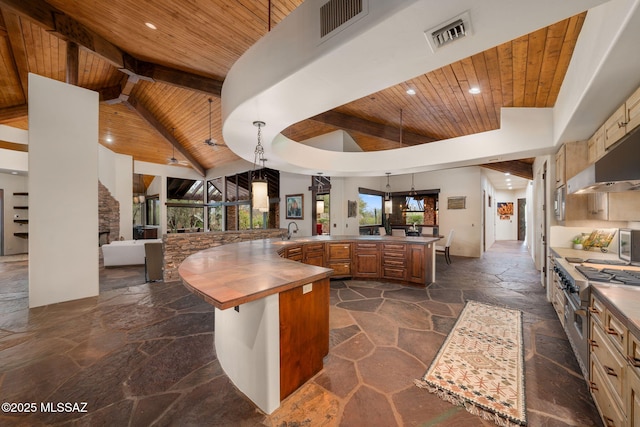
289,229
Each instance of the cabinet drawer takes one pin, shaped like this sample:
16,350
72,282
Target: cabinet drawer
341,268
608,361
616,331
393,247
339,251
633,353
393,272
597,310
394,261
611,413
360,247
314,247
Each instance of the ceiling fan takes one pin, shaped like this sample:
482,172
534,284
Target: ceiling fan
172,160
210,141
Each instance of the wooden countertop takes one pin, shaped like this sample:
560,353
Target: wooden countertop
623,301
229,275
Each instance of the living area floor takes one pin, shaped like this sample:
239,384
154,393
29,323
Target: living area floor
142,354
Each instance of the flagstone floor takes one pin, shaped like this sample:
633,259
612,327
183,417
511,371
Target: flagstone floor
142,354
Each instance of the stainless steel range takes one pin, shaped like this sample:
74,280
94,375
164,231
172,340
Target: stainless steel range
576,323
573,276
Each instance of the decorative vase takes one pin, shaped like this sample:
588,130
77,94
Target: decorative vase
577,246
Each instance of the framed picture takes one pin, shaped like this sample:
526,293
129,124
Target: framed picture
295,207
352,209
505,208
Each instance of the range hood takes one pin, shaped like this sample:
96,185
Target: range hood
618,170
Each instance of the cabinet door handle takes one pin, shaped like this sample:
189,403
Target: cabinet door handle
609,421
593,343
622,124
594,310
633,361
593,386
611,331
610,371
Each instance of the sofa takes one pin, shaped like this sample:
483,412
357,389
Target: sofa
125,252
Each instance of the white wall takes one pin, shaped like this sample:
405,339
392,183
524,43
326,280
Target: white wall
115,171
63,192
14,184
507,229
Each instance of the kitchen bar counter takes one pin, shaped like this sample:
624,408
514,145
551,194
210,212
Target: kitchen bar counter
230,275
277,335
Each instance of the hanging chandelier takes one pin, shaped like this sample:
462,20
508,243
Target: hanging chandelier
319,202
259,187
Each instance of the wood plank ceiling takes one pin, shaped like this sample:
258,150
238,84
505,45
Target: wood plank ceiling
156,85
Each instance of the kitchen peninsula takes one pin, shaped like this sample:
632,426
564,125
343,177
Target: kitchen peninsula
272,313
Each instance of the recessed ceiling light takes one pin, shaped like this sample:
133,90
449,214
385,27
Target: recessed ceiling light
474,90
14,173
109,139
507,173
150,25
508,179
411,92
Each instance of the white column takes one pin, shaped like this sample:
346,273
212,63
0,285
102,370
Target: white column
63,192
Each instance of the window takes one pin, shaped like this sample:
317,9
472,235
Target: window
370,209
185,205
414,211
229,202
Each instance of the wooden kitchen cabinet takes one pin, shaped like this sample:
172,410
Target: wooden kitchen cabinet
596,145
633,111
633,400
615,127
416,258
313,254
293,253
339,258
394,261
367,260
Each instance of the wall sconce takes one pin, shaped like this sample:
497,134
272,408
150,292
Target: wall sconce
388,203
320,206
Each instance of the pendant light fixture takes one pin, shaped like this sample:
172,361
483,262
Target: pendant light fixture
259,187
320,202
413,191
388,204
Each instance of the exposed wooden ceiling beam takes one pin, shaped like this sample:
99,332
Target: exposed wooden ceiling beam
73,58
379,130
13,146
69,29
147,116
12,113
519,168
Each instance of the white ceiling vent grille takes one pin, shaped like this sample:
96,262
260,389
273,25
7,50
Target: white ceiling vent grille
448,32
334,13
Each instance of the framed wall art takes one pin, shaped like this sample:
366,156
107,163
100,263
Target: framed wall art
295,206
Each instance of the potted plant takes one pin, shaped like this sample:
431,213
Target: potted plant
577,242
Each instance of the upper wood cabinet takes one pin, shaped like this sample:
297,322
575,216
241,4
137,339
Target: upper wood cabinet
596,145
615,126
633,111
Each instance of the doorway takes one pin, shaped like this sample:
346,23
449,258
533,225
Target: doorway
321,196
522,219
1,222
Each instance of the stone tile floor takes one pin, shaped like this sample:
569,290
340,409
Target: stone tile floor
142,354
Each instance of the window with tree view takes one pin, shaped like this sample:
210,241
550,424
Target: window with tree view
370,209
185,205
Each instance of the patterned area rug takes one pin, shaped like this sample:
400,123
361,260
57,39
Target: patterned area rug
481,366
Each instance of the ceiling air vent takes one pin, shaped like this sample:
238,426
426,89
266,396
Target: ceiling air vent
450,31
334,13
